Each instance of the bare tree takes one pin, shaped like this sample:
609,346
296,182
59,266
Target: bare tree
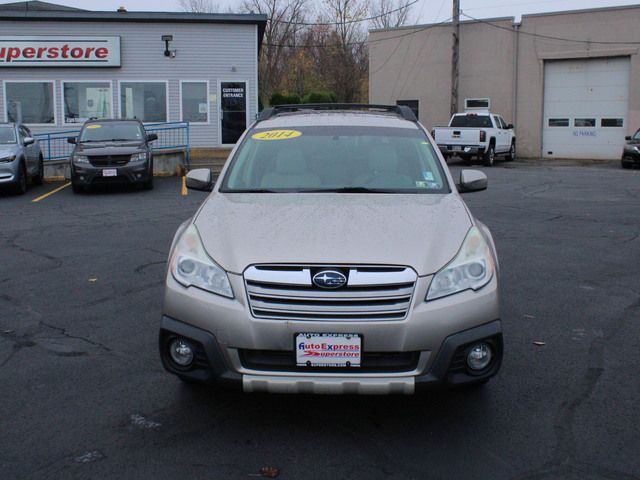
200,6
285,21
389,13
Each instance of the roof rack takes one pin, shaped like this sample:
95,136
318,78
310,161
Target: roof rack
400,110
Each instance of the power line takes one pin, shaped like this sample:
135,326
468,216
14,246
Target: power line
549,37
347,22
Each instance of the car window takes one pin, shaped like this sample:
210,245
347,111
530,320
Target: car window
503,125
22,131
637,135
336,159
111,131
472,121
7,135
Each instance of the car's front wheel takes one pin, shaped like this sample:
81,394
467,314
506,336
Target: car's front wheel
626,165
38,178
511,156
20,187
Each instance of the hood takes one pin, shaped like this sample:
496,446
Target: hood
109,148
421,231
8,150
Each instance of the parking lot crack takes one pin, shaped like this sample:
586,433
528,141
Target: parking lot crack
63,332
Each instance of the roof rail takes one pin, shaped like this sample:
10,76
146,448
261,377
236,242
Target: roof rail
400,110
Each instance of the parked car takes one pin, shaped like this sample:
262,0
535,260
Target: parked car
21,159
334,255
108,151
631,153
477,133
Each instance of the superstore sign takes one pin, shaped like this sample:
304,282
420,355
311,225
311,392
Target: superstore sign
36,51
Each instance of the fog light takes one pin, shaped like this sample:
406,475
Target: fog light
181,352
479,356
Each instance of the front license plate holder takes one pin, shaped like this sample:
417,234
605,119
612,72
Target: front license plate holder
110,172
328,349
457,148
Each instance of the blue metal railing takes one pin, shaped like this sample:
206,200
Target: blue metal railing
171,135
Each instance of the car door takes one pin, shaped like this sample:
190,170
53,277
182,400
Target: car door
502,141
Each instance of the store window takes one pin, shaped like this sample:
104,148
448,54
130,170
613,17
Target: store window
146,101
195,102
30,102
86,100
414,105
480,103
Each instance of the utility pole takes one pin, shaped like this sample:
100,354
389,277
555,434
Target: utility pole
455,56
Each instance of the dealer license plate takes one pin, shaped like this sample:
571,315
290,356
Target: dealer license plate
328,350
109,172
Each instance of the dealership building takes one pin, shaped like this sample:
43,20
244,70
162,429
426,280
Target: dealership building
60,66
568,81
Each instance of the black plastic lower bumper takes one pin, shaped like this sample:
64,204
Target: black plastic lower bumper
90,175
448,368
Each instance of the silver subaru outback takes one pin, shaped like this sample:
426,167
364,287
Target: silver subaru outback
333,255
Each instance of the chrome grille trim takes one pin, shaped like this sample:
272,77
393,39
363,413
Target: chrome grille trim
287,293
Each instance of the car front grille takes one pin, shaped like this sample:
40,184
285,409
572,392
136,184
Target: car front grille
371,293
109,160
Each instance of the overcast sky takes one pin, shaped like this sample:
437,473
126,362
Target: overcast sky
425,11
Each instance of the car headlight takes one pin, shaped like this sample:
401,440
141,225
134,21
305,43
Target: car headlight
472,268
139,157
80,159
191,266
9,158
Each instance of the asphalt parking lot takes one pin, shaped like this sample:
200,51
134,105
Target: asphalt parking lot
83,394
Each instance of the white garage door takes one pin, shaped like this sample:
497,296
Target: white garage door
585,108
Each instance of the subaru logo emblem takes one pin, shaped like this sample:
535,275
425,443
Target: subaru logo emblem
329,279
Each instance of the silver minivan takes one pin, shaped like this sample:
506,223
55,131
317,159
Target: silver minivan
334,255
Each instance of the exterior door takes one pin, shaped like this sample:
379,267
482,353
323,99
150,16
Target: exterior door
233,111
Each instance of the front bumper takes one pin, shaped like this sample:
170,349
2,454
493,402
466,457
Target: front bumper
87,174
631,157
437,332
8,172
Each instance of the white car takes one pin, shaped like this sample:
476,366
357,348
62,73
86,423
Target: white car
480,133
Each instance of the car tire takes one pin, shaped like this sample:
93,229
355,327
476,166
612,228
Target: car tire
77,188
20,187
38,179
511,156
489,157
626,165
148,185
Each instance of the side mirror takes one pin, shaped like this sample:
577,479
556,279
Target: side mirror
510,126
627,138
200,179
151,137
72,140
472,181
29,141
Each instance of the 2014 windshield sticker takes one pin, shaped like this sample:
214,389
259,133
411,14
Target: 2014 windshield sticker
277,135
94,126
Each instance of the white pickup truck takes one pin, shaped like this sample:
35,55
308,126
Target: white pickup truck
480,133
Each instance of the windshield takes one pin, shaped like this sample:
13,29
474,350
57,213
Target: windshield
336,159
104,132
471,120
7,135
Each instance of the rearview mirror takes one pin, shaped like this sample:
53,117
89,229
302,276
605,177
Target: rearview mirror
29,141
151,137
472,181
510,126
200,179
627,138
72,140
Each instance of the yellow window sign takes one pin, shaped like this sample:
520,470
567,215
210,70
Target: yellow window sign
277,135
94,126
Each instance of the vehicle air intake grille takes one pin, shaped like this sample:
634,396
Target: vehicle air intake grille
109,161
288,293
